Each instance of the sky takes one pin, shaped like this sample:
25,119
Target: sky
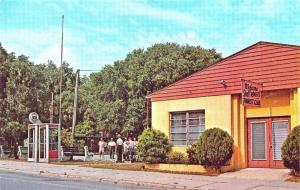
99,32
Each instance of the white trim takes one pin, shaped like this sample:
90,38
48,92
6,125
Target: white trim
274,121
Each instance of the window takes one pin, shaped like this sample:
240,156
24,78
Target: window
186,127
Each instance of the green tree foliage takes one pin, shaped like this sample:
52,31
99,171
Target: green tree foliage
214,148
112,100
290,151
117,94
28,88
153,146
66,138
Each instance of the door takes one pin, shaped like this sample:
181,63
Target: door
43,144
32,143
280,130
265,138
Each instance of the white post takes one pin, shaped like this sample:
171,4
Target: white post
19,152
86,151
28,143
1,151
47,143
36,142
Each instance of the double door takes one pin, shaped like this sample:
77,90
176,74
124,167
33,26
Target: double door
38,146
265,138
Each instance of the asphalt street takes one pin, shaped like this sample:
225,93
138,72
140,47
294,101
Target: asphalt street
21,181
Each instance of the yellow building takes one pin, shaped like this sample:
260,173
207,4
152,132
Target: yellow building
213,98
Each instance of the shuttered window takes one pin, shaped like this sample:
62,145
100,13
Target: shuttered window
279,134
258,140
186,127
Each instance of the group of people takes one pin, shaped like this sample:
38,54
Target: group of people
125,150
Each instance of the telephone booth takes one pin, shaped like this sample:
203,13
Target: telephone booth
42,142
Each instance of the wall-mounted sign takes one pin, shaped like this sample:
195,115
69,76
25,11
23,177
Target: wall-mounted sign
251,93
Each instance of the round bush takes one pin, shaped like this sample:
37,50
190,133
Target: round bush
176,158
290,151
153,146
192,156
214,148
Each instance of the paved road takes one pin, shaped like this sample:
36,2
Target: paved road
59,177
21,181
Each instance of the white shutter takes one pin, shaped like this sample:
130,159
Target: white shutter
258,138
279,133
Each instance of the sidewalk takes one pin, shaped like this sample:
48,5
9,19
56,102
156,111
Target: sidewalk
244,179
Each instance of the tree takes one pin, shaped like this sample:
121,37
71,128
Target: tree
114,98
28,88
117,94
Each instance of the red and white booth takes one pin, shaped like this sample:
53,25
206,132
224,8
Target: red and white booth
42,141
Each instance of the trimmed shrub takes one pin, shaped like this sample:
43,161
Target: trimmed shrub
290,151
214,148
153,146
192,156
176,158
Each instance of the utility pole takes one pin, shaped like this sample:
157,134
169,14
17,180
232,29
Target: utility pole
76,99
51,107
60,86
75,103
147,110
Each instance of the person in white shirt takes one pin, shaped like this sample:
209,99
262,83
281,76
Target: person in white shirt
101,148
126,151
131,149
111,148
119,148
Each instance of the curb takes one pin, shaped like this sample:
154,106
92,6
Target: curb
115,181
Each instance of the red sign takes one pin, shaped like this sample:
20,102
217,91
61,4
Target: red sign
251,93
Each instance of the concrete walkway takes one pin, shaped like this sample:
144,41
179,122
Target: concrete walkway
254,179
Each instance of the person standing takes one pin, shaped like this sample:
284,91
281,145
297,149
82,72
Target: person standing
111,148
131,150
135,142
119,148
126,151
101,148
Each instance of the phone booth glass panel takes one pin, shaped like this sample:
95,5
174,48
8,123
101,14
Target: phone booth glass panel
53,142
43,142
31,142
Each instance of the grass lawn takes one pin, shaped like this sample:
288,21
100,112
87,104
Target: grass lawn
138,166
117,166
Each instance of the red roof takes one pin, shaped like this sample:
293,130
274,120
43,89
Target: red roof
276,65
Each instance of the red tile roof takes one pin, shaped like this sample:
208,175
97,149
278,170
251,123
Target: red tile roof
276,65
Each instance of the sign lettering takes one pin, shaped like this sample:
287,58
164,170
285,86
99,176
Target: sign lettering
251,93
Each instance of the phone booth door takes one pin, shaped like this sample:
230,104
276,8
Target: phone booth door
32,143
43,143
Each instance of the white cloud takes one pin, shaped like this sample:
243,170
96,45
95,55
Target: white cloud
133,21
147,39
53,53
41,45
140,8
265,8
44,45
246,37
